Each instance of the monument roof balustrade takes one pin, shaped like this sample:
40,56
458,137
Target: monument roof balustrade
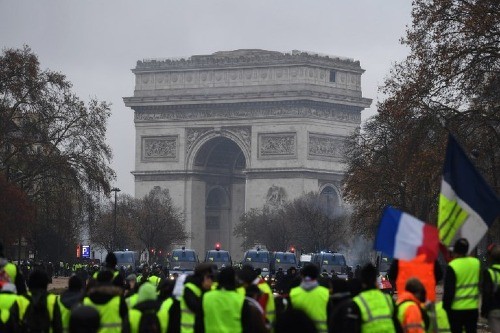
248,58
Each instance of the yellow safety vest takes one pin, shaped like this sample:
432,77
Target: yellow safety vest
222,311
443,325
135,316
111,322
23,302
132,300
494,272
467,272
188,316
164,313
270,306
65,314
154,280
6,302
314,303
377,310
11,270
401,315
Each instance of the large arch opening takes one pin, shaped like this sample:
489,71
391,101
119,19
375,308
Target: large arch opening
218,192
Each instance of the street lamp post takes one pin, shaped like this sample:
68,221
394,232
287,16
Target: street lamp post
116,190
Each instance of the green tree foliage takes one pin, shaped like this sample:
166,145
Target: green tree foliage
449,83
52,145
303,223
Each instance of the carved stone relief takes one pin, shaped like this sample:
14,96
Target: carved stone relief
321,145
192,134
279,112
244,133
276,196
159,148
277,145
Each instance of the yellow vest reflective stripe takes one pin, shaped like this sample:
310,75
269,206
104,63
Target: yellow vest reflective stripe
222,311
6,302
401,314
163,313
376,310
443,325
109,313
187,316
132,300
313,302
270,306
467,283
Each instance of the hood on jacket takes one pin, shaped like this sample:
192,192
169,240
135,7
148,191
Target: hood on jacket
70,298
407,296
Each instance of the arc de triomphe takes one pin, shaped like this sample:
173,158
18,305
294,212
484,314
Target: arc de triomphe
233,130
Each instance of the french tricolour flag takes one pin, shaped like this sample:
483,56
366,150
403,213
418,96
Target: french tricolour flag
403,236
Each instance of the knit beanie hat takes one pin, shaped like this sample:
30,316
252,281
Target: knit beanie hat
147,292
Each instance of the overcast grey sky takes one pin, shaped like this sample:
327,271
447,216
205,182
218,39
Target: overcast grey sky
96,43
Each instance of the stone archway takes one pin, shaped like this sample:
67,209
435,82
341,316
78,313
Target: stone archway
218,192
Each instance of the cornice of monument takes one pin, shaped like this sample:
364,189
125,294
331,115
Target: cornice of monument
247,58
184,99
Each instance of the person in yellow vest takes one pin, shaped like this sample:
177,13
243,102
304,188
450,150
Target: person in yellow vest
411,315
312,298
191,300
9,313
109,266
70,298
372,310
39,310
107,299
461,289
144,317
266,299
225,310
490,300
441,324
11,272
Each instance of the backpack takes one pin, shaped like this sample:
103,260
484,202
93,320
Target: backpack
37,318
149,323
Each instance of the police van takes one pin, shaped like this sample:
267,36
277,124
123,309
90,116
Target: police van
258,258
284,261
182,261
330,262
218,257
127,259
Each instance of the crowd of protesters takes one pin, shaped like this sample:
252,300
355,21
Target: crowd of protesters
240,300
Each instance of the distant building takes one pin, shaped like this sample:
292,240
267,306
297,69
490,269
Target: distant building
234,130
